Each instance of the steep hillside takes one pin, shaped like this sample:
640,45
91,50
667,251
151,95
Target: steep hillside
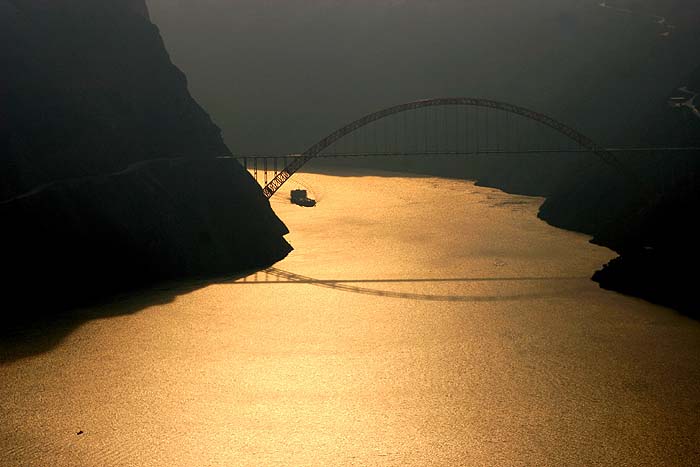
109,177
87,88
658,240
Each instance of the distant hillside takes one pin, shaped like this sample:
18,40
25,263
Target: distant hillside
280,75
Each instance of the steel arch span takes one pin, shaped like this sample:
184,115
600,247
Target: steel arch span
550,122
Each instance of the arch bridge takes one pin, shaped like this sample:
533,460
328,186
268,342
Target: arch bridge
453,126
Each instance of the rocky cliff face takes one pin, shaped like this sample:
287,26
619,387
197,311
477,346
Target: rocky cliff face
79,240
647,218
658,238
109,177
87,88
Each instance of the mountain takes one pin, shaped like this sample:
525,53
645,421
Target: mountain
110,177
658,237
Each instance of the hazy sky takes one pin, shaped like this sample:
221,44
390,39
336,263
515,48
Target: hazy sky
277,75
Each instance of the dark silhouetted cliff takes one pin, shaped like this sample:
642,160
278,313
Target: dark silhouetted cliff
87,88
647,215
658,239
109,177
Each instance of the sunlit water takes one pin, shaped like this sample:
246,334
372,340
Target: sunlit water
419,321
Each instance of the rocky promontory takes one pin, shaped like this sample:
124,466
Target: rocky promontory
110,175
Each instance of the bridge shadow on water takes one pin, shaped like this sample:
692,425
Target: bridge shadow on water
38,333
279,276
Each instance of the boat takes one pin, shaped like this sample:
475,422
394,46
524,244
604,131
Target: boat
301,198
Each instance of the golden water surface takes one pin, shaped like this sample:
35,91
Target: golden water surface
419,321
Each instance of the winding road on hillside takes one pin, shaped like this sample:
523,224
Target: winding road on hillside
660,20
679,102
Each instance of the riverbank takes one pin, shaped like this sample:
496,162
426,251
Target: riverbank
585,196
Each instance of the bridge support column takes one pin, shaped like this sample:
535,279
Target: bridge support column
265,170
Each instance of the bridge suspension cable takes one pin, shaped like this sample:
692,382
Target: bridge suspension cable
481,122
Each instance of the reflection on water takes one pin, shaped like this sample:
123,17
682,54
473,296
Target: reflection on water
419,321
279,276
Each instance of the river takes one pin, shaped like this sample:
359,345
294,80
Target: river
419,321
